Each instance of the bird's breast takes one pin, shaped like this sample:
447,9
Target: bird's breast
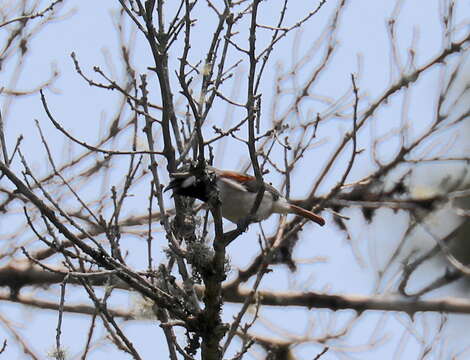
236,204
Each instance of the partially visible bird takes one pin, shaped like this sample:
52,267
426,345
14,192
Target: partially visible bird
237,194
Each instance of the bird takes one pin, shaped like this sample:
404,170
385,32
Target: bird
237,193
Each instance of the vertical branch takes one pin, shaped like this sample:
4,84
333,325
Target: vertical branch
248,301
273,42
153,161
250,107
156,180
211,59
89,336
354,133
196,110
149,236
168,332
2,140
213,328
250,104
59,351
158,45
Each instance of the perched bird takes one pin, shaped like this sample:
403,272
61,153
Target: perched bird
237,193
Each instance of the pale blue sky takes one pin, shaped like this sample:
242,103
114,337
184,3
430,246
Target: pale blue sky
362,45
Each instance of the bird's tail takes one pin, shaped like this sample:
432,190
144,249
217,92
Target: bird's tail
297,210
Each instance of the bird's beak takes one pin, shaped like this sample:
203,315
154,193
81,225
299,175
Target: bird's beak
174,180
170,186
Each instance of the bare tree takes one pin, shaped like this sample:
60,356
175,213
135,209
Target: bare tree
207,58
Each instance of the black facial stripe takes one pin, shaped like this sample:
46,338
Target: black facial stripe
196,190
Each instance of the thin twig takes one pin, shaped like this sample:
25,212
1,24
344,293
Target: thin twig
32,16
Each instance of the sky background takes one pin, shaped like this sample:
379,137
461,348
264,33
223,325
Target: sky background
363,47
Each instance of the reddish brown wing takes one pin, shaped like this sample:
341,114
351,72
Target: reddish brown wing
249,182
242,178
